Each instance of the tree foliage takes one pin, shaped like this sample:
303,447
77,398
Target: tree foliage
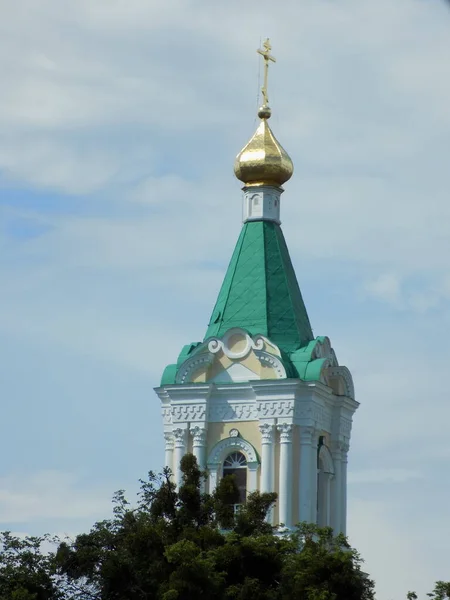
26,571
186,545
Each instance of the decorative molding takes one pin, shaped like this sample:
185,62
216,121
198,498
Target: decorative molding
168,438
338,448
345,447
198,436
266,430
285,430
265,358
344,374
345,427
224,447
275,408
183,413
224,411
188,368
307,435
179,437
167,415
216,344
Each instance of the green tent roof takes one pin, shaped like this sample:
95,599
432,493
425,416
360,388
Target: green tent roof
260,292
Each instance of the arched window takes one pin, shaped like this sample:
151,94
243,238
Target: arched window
236,464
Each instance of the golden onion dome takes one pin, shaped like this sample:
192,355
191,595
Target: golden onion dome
263,161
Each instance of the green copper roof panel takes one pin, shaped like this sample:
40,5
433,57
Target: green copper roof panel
260,292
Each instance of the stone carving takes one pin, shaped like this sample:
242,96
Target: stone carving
218,413
266,430
179,437
182,413
339,448
166,414
168,438
215,344
198,435
285,430
275,408
250,411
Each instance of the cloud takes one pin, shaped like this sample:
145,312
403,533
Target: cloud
50,495
387,475
386,287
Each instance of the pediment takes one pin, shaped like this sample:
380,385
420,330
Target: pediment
235,358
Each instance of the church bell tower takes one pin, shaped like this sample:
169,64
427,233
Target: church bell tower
260,397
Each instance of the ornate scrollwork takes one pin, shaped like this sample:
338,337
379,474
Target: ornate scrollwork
247,343
198,435
179,435
266,430
285,430
168,438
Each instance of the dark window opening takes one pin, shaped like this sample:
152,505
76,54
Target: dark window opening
236,464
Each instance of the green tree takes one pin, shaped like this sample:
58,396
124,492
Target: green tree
25,571
186,545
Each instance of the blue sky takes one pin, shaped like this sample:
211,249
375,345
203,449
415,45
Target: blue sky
119,123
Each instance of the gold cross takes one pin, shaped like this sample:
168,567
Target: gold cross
267,57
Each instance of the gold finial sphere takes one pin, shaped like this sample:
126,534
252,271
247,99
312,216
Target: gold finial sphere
264,112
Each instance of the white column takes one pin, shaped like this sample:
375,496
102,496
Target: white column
180,450
344,461
336,489
252,477
307,463
314,474
328,477
199,445
267,457
199,449
168,454
285,489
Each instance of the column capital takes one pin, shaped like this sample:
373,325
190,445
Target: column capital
340,448
285,430
179,435
307,435
168,438
199,435
266,430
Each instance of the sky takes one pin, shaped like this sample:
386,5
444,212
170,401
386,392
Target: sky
119,211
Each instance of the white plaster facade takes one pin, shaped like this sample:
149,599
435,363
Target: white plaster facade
262,202
294,434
